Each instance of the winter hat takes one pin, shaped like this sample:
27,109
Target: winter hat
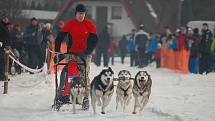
80,8
196,30
205,24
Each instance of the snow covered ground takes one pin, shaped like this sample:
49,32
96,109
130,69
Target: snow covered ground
174,97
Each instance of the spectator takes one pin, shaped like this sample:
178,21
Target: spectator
193,60
112,50
33,47
141,39
153,42
182,38
196,36
166,35
194,51
58,27
4,42
132,48
17,45
205,50
123,44
158,55
174,43
102,47
213,54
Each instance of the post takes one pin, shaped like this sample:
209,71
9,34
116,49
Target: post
6,67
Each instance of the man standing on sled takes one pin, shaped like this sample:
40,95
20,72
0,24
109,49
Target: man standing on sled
82,41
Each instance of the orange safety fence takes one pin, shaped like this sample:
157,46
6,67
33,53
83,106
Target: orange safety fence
175,60
63,49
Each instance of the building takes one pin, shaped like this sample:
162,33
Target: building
106,13
124,15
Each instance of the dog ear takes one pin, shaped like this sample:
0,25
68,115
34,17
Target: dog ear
129,73
135,79
110,69
103,71
119,73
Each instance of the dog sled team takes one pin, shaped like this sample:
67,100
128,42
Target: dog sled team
102,89
74,87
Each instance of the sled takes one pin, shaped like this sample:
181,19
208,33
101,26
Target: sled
75,67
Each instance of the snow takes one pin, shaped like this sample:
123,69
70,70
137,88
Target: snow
174,97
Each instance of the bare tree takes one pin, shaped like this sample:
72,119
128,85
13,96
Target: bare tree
12,8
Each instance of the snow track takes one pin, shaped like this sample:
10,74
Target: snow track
174,97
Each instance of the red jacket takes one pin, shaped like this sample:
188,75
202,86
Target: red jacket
79,31
181,42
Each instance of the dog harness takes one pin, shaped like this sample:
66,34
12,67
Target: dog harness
125,90
105,88
142,90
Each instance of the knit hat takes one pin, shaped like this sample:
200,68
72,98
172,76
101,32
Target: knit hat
80,8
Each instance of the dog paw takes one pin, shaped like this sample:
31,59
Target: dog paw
134,112
102,112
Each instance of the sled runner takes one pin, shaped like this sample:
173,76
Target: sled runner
73,81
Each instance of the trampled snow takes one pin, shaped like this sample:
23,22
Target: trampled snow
174,97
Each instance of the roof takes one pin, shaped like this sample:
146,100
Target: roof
40,14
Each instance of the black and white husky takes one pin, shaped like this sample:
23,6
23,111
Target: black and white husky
141,90
102,89
124,89
77,92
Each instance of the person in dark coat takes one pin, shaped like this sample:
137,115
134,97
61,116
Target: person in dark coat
141,40
33,47
132,48
102,47
123,45
194,51
205,50
4,42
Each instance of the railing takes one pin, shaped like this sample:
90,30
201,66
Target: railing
175,60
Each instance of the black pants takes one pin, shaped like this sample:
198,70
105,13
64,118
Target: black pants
34,52
142,57
99,53
205,63
2,64
133,58
157,62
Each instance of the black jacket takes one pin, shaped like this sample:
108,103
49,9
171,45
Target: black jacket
206,41
4,36
31,40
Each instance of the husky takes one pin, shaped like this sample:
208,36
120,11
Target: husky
141,90
102,89
77,92
124,89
